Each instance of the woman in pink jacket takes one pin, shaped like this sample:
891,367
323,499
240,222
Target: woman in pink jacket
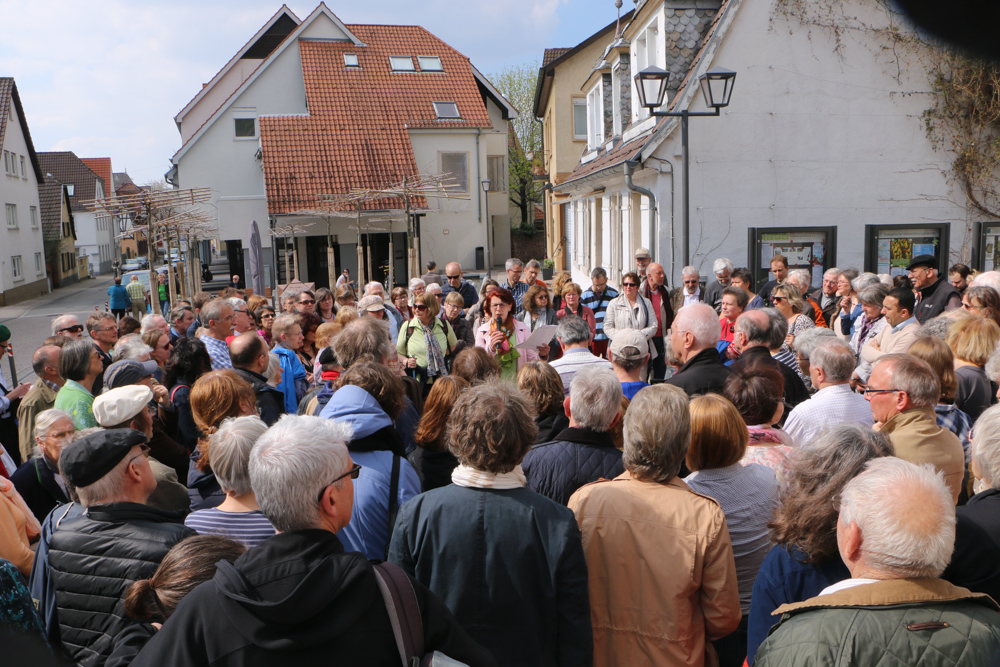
502,341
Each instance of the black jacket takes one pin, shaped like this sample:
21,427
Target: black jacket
576,457
36,482
434,468
93,559
795,389
935,298
297,599
270,401
977,545
551,425
702,374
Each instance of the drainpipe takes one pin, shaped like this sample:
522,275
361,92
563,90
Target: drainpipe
630,167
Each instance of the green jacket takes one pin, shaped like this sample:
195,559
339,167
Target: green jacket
912,622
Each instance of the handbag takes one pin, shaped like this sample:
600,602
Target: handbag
404,615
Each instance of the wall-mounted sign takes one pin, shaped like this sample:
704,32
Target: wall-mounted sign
889,248
810,248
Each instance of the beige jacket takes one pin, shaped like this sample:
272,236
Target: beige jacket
917,438
662,575
38,399
889,343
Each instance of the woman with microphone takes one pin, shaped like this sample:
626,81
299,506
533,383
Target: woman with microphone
500,334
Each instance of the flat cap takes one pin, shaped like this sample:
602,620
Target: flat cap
922,260
128,371
117,406
371,303
93,456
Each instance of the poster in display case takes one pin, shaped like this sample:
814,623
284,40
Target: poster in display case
810,248
889,248
989,241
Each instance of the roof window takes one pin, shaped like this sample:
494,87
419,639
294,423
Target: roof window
351,60
446,110
430,64
401,63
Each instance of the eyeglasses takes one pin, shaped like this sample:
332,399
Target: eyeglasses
419,306
354,472
307,302
501,304
969,306
879,391
245,312
76,328
144,451
454,277
101,330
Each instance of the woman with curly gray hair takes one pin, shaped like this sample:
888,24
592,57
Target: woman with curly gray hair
531,583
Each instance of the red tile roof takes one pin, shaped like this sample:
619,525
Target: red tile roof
356,133
552,54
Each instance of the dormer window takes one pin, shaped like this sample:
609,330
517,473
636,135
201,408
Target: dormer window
351,60
446,110
401,64
70,188
430,64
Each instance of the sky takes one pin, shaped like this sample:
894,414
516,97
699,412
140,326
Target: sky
105,78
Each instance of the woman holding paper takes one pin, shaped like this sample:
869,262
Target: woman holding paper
539,312
631,310
500,334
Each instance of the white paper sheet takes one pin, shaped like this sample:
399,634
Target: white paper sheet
540,336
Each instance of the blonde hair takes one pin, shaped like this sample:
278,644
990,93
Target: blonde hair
428,299
973,339
325,332
792,294
719,438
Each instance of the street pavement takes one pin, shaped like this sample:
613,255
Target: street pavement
30,322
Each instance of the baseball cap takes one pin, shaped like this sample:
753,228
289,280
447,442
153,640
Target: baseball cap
371,303
642,253
629,344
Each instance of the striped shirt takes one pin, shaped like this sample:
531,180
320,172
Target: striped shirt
250,528
830,406
517,290
599,304
218,351
573,360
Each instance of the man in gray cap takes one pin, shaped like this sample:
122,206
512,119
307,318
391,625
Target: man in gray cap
92,559
642,260
935,294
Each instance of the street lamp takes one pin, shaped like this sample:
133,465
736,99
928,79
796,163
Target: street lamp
486,190
716,88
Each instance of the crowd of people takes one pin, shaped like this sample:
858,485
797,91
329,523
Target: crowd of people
705,475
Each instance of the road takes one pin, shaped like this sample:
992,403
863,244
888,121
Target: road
30,322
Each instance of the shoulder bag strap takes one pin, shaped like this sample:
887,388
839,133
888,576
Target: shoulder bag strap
174,390
393,499
404,612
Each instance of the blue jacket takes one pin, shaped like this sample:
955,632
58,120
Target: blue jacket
510,566
292,373
576,457
374,446
783,578
118,298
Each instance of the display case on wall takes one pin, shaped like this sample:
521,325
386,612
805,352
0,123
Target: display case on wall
889,248
989,253
812,248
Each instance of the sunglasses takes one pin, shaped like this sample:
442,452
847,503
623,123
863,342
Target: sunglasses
629,285
420,306
354,472
454,277
777,299
307,302
76,328
267,316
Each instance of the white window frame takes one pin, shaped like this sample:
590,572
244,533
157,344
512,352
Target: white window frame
39,265
11,213
246,114
398,60
616,103
16,269
424,61
455,187
595,117
33,215
351,60
24,173
13,164
70,189
443,111
578,103
6,162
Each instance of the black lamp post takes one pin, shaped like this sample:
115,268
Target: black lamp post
486,195
716,87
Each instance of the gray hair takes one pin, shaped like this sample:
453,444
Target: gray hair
657,433
914,376
690,271
44,421
74,360
595,397
292,463
836,359
230,446
131,347
899,540
832,271
533,264
213,310
62,322
873,295
572,330
370,287
273,365
800,278
147,322
702,321
992,366
986,446
434,288
417,282
236,302
936,327
988,279
511,263
777,328
806,341
866,279
363,338
178,312
748,325
598,272
722,264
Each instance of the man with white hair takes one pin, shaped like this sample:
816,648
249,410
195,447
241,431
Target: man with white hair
988,279
826,295
93,558
573,335
801,279
242,320
693,337
67,326
152,321
723,269
895,534
642,260
298,597
691,292
455,282
831,364
902,392
374,288
585,452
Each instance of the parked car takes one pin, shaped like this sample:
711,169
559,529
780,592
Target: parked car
131,265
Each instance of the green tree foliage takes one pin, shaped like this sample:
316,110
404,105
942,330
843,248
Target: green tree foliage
517,84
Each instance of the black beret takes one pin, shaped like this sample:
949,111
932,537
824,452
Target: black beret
93,456
922,260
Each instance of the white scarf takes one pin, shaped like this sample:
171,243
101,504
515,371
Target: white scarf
463,475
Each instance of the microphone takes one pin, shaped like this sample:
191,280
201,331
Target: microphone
499,327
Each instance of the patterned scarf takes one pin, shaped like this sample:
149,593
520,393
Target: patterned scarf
507,354
435,359
865,327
